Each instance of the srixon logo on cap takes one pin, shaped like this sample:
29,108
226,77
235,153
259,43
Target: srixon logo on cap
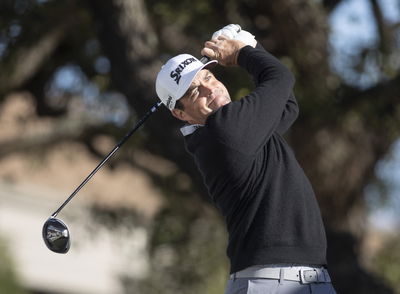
176,74
169,100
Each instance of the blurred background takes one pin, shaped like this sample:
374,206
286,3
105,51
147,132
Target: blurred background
76,75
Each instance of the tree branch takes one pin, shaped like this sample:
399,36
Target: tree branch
382,28
330,5
27,61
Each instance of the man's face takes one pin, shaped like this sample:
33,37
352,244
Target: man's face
205,95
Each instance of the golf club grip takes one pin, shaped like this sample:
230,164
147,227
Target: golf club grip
205,59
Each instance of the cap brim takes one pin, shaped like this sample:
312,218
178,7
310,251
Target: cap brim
192,75
210,64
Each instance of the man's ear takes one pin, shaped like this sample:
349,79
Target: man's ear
179,114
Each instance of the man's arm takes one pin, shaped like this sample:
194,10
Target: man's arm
291,111
247,124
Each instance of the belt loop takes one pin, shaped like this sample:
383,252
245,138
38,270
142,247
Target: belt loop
281,276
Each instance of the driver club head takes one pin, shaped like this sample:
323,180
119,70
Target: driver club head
56,235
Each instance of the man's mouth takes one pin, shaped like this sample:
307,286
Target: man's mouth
211,100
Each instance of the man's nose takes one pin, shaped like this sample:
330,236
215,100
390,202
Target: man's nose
207,89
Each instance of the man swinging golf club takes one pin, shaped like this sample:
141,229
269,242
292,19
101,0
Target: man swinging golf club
277,239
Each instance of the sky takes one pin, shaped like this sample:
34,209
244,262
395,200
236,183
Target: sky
385,214
351,31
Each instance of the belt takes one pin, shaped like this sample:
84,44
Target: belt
303,274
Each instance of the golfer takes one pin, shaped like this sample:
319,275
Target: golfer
277,240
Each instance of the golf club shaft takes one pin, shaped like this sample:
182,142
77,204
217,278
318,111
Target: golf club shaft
109,155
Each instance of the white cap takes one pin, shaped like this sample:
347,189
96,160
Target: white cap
176,76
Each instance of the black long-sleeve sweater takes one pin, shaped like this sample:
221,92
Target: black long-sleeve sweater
252,175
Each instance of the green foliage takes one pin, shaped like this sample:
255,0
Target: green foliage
387,263
8,280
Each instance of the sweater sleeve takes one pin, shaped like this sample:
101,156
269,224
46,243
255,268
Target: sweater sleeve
290,112
289,115
247,124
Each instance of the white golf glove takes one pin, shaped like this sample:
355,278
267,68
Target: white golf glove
234,31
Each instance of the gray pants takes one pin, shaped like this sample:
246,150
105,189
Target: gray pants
270,286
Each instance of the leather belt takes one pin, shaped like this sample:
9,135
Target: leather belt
303,274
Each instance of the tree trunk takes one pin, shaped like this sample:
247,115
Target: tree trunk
131,44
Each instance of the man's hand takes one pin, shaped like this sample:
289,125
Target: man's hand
234,31
223,49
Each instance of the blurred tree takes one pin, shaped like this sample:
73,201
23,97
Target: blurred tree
341,134
8,279
387,261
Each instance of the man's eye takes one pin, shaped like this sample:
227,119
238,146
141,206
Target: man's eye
208,78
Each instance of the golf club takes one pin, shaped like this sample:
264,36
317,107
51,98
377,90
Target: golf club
55,233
